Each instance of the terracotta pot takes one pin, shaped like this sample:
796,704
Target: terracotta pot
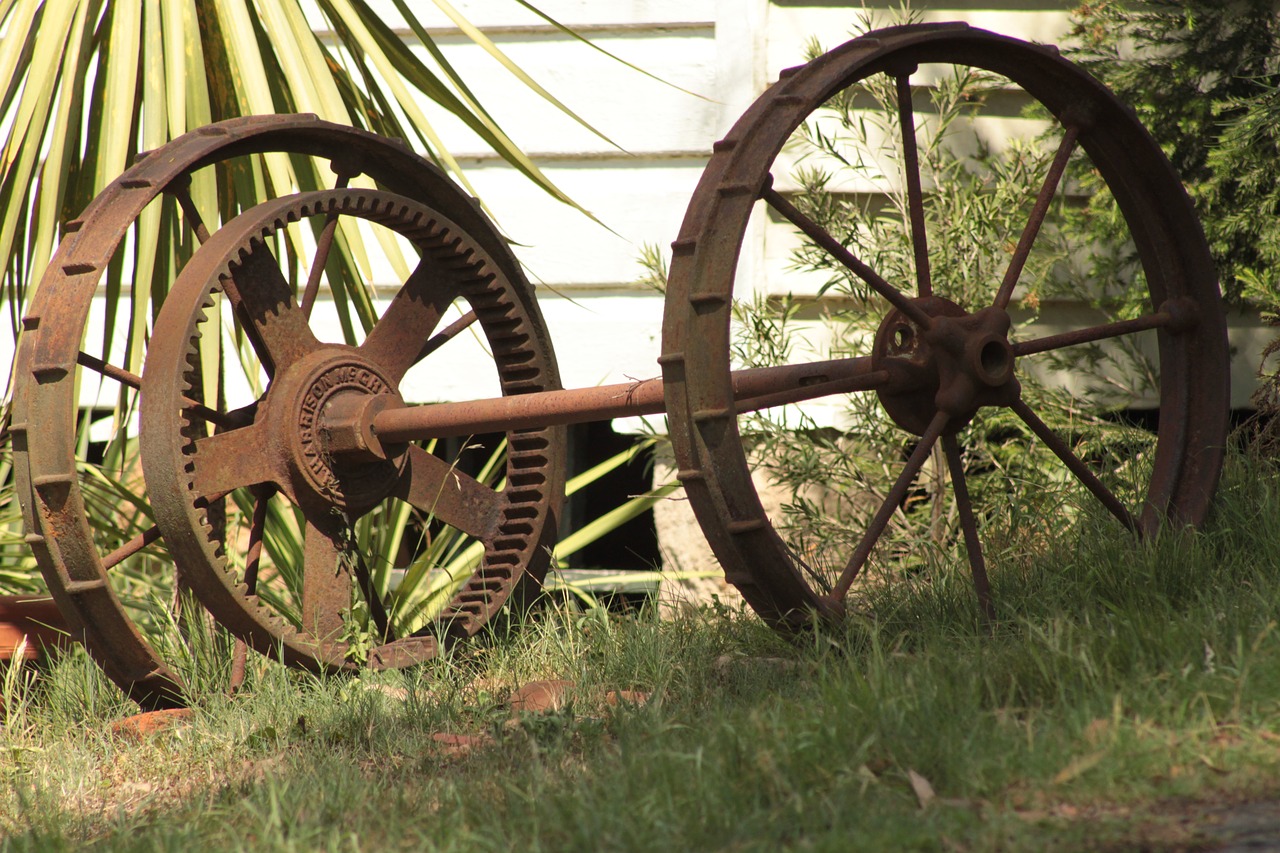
34,617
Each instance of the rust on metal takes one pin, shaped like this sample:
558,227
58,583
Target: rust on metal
311,439
332,435
76,567
940,362
753,389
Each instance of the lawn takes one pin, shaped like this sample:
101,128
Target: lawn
1128,697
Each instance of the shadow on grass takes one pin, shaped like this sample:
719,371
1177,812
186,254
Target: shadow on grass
1127,691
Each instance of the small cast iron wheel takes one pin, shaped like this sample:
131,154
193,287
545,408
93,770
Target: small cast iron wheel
939,362
309,439
85,568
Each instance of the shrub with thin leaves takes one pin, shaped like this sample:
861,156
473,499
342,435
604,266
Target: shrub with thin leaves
978,190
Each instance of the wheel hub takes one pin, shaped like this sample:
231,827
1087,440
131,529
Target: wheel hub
319,388
957,365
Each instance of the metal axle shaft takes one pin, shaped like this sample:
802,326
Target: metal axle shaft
753,389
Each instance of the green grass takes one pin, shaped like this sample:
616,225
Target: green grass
1129,692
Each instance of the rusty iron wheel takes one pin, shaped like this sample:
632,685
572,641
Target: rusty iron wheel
81,567
937,363
306,438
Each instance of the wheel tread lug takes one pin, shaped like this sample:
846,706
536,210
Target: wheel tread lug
713,300
517,341
84,587
735,189
46,480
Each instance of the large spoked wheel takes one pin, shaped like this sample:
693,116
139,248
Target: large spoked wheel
305,439
940,361
92,569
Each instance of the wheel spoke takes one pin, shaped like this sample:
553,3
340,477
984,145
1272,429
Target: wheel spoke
833,247
252,561
263,302
890,505
915,193
181,189
446,334
257,532
232,460
377,610
969,524
132,380
1038,212
1094,333
1074,464
133,546
874,380
326,580
324,244
434,486
119,374
412,315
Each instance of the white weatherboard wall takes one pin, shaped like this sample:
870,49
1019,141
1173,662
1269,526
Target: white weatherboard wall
606,328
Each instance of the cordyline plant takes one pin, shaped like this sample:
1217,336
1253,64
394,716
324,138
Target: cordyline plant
85,85
89,84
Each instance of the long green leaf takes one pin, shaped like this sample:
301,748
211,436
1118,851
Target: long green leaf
611,520
589,43
20,155
16,49
408,65
53,172
121,88
615,461
477,35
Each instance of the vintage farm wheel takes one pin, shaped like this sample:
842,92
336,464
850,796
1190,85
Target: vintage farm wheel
308,442
937,362
82,565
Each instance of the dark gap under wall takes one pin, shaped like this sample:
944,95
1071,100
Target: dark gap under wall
634,545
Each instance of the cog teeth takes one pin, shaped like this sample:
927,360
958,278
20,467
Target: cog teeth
508,321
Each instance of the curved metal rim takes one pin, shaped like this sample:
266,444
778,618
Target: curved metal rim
53,327
696,324
529,509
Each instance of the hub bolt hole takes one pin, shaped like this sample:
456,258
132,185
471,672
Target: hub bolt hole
996,361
